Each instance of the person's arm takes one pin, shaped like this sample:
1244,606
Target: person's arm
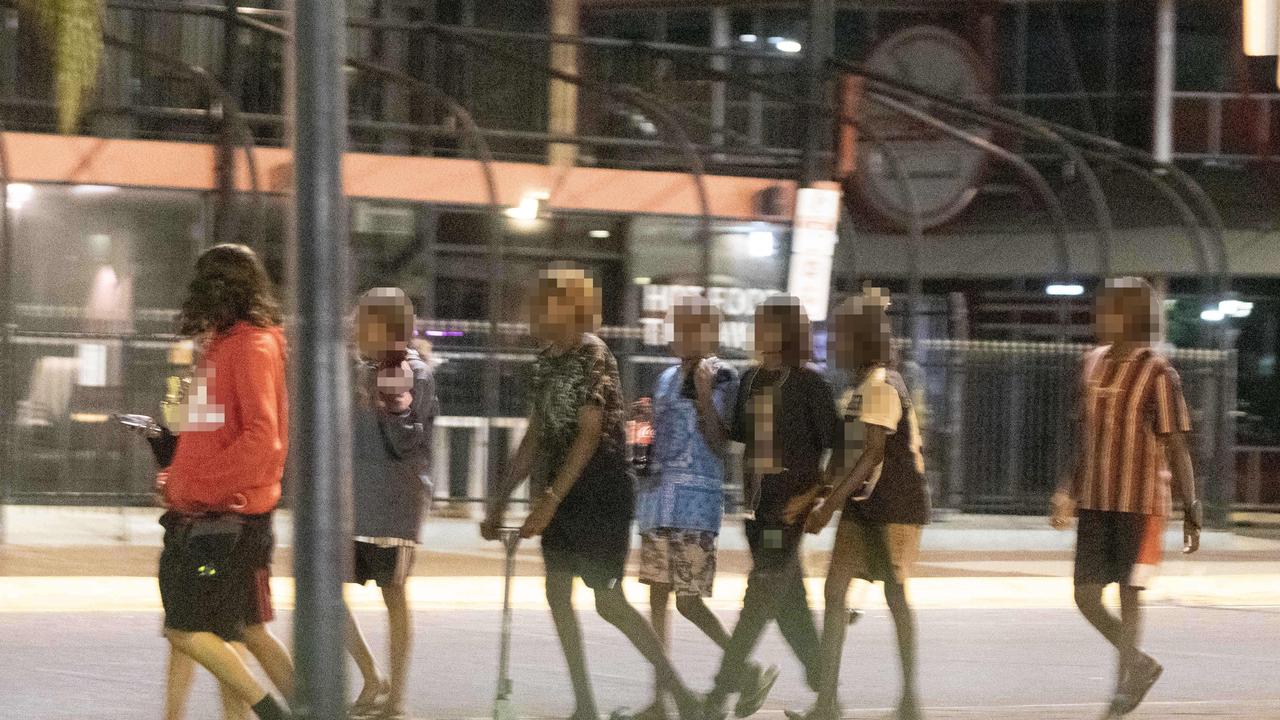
1065,495
515,473
409,434
714,404
590,427
254,373
1173,423
872,456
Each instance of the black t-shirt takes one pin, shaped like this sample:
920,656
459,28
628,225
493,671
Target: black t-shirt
798,406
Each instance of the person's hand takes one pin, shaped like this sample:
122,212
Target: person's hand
797,507
704,379
394,388
489,526
1064,508
818,518
544,508
394,404
1192,521
162,482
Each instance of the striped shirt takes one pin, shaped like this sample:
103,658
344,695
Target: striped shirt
1128,406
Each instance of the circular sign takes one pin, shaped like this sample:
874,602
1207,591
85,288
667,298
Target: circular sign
942,172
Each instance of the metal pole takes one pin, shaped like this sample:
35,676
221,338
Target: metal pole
8,404
321,441
1166,39
818,48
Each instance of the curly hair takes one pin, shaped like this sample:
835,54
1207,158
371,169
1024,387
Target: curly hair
230,286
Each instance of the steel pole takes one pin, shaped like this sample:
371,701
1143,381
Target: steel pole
1166,40
321,440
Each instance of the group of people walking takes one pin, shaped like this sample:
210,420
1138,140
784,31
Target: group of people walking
805,458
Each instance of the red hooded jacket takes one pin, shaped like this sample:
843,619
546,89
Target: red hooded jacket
235,435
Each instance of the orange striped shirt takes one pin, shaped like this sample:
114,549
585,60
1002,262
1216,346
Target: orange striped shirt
1128,405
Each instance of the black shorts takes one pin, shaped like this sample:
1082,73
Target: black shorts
215,573
1117,547
386,566
597,554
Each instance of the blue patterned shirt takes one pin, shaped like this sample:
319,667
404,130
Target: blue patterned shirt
685,486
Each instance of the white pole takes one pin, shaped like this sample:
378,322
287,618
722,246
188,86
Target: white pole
1166,32
1261,27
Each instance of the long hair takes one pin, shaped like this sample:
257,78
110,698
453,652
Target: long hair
230,286
787,313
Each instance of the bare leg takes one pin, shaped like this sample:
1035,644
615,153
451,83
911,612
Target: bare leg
835,618
272,656
360,652
659,594
613,607
401,631
560,599
1130,626
895,594
181,673
233,708
217,656
695,610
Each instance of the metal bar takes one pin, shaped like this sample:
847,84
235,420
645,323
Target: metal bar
1162,120
8,400
321,442
818,48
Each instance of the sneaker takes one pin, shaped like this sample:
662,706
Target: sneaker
755,691
1138,683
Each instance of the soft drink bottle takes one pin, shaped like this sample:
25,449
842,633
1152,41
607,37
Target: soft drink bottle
640,434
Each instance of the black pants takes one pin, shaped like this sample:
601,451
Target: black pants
775,591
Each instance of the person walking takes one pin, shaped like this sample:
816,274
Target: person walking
225,478
1132,423
394,414
681,500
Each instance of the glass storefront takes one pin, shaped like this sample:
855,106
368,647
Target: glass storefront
99,274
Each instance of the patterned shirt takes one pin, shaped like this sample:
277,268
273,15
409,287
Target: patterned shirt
1128,406
561,385
685,487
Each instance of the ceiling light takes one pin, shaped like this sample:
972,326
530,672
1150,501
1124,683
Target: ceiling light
530,208
789,46
599,234
93,189
760,244
19,194
748,38
1064,289
1235,308
1212,315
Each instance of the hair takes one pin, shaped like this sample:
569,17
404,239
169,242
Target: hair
230,286
1144,326
392,307
577,285
695,305
864,319
786,312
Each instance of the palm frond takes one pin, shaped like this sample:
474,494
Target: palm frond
74,32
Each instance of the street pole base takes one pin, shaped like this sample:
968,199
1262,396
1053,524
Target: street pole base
504,709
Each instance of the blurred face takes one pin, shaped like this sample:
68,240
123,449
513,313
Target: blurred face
554,315
697,331
374,339
768,336
1121,313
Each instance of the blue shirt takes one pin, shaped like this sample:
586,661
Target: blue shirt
685,486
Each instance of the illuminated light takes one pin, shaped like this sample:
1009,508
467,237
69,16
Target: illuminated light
1065,290
444,333
789,46
748,38
83,417
760,244
19,194
1212,315
1261,27
1235,308
530,207
94,189
642,280
599,234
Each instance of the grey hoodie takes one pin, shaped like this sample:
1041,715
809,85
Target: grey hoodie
391,457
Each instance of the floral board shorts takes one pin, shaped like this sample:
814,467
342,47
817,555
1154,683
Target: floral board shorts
683,559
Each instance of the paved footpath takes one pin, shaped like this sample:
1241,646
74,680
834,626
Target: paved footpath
79,627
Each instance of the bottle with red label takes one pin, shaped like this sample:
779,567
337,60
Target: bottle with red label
640,435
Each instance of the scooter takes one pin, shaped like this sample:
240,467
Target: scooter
503,706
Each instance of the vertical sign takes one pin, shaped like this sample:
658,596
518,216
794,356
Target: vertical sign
813,242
